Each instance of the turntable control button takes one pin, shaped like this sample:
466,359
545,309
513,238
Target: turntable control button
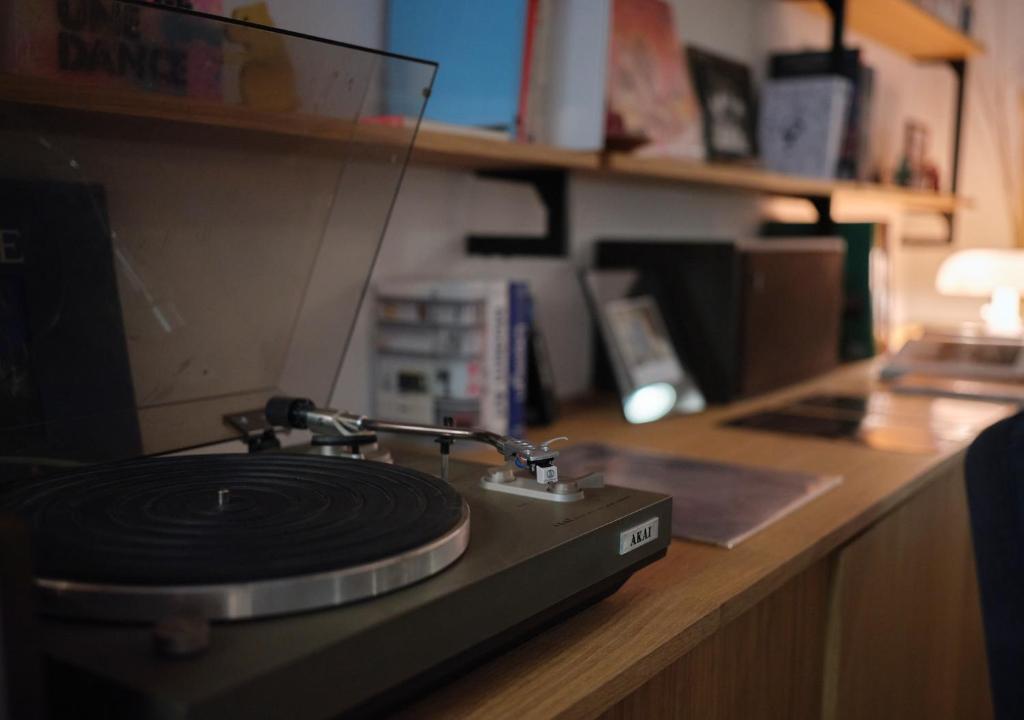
181,636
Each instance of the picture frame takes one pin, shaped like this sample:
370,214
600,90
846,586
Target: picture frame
726,94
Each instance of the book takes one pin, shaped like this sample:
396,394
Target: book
562,99
102,42
651,100
855,153
534,93
452,349
717,503
802,123
541,399
497,358
864,286
520,312
479,47
526,69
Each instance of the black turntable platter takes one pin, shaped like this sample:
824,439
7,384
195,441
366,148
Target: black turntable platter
325,530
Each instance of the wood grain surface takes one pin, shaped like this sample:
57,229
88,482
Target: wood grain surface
765,663
908,640
592,661
905,27
192,121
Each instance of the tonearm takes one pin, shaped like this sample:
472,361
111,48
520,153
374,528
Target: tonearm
536,459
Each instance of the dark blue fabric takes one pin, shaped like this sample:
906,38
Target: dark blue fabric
995,493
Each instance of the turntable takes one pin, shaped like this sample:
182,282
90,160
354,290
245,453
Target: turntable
207,541
366,577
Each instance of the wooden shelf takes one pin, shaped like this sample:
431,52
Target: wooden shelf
907,198
431,147
904,27
84,98
738,177
757,180
437,147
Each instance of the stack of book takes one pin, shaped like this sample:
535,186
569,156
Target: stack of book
453,349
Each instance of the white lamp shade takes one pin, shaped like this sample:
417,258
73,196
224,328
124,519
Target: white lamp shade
977,273
649,402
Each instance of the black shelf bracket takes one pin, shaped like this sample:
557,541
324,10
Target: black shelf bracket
552,187
823,205
959,67
960,72
838,9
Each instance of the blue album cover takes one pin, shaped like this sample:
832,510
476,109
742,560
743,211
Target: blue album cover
480,50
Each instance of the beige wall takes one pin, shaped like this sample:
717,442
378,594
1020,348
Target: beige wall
431,217
990,174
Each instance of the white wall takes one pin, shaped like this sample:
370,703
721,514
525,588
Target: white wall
992,141
359,22
436,208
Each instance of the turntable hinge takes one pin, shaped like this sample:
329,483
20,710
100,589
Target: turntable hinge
254,430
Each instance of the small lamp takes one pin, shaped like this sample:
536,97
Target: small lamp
651,380
995,274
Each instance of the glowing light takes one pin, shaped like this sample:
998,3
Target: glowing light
998,274
649,403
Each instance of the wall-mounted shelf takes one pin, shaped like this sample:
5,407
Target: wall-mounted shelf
432,146
449,149
740,177
116,102
904,27
437,147
755,179
907,198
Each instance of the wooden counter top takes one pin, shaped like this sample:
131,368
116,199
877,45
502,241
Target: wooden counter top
584,665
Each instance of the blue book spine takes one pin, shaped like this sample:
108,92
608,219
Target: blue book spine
520,321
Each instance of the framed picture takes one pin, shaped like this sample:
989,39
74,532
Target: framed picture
727,102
